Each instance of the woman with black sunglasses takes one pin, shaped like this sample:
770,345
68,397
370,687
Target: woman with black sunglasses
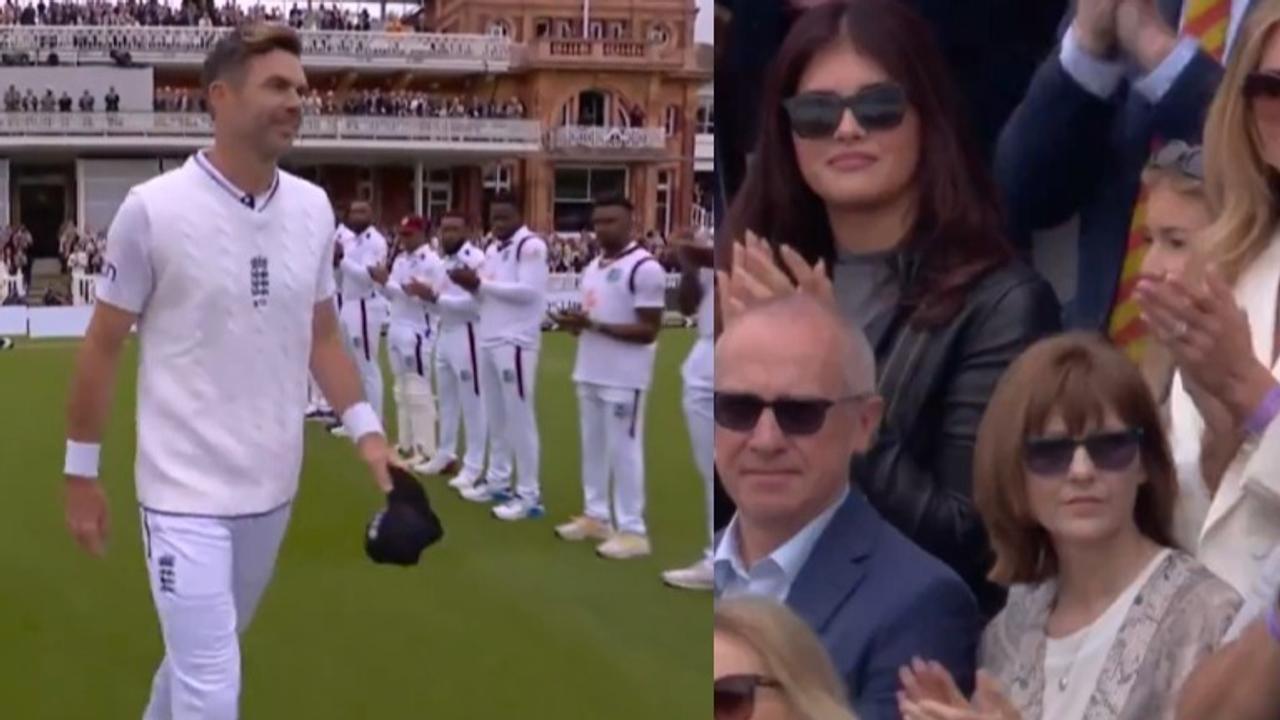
1106,618
865,170
768,665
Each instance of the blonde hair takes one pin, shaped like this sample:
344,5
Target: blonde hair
791,654
1239,180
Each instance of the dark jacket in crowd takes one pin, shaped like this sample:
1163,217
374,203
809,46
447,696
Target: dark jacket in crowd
936,384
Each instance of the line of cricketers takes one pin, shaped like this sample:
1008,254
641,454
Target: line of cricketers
475,316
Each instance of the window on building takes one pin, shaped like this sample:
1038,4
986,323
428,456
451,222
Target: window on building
659,34
671,120
499,28
575,189
498,178
596,30
437,192
542,28
618,29
591,108
706,117
662,208
364,185
564,29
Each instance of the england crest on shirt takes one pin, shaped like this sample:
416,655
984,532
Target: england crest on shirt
259,280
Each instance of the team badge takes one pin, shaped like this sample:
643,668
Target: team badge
508,375
465,375
621,412
613,275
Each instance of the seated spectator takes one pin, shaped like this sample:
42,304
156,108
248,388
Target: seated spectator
767,664
794,402
1238,681
1220,330
1106,617
863,169
1176,219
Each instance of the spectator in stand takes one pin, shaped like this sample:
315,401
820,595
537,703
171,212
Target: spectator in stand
112,100
86,101
30,103
48,103
12,99
65,103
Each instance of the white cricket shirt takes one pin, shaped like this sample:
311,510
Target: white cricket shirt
360,252
225,287
699,369
455,306
422,265
612,292
513,291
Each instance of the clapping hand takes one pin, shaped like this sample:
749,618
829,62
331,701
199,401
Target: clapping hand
379,273
755,277
930,693
421,290
465,278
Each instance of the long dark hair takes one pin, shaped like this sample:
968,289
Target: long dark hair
956,235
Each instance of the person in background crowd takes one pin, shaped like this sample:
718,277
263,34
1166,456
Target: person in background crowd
48,103
795,400
1122,79
1176,219
1106,617
112,100
863,170
86,101
991,49
768,665
1220,330
12,99
29,101
65,103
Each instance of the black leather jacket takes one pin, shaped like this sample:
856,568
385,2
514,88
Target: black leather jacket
936,385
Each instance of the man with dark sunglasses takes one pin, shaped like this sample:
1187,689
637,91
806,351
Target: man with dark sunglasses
795,400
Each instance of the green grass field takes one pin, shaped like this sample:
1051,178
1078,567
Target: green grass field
500,621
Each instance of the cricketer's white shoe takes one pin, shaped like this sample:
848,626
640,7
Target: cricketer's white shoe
463,481
583,528
519,509
339,431
624,546
487,493
437,465
698,576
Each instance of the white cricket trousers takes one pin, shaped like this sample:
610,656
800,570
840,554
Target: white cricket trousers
207,575
410,352
458,383
507,374
698,373
362,320
612,421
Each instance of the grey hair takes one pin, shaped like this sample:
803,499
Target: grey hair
857,360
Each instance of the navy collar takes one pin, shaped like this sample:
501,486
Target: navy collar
247,200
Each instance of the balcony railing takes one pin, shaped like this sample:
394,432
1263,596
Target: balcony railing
578,51
320,48
612,139
522,134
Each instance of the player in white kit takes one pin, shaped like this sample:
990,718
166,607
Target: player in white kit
225,266
512,290
318,408
623,295
410,339
697,294
363,308
457,362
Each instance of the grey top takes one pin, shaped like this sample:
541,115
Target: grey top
865,286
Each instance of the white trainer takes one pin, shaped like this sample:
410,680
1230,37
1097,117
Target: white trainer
624,546
698,576
518,509
583,528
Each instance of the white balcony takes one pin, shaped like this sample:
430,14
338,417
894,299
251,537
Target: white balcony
321,49
704,152
607,140
329,134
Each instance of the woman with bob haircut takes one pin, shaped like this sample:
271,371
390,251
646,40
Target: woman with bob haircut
1105,617
865,173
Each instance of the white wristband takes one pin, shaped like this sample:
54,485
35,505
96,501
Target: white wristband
361,420
82,459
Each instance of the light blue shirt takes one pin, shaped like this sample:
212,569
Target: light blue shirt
1101,77
772,576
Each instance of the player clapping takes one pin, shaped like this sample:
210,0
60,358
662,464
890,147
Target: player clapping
623,296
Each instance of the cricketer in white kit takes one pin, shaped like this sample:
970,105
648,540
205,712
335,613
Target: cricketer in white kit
318,407
458,362
623,296
512,290
697,294
410,339
364,309
224,264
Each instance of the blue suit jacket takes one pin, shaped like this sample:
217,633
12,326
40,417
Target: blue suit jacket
1065,151
877,600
